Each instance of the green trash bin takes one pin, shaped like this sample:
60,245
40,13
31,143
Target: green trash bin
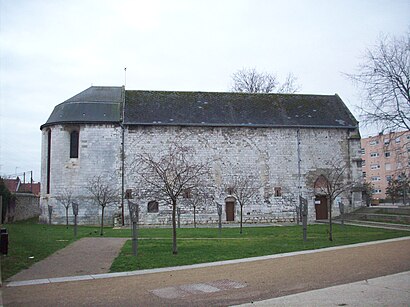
4,241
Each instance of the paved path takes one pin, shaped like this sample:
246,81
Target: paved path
225,284
85,256
390,290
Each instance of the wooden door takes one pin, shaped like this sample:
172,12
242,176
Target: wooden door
321,208
230,211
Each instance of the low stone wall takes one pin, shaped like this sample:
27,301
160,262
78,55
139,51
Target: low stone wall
25,206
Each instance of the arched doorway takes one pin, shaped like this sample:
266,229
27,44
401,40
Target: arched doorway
321,199
230,209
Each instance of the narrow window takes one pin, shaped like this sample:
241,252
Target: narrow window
387,154
186,193
48,160
74,140
153,206
278,191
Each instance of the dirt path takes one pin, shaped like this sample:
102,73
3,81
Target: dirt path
226,284
85,256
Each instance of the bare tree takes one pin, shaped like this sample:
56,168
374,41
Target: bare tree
290,85
249,80
65,199
384,77
103,194
332,182
243,188
195,197
368,192
168,175
399,188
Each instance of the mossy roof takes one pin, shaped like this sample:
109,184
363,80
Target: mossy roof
236,109
103,105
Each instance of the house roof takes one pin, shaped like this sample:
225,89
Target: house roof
236,109
34,188
97,104
12,184
15,185
103,105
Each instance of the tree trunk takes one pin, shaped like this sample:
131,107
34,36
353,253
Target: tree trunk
102,220
241,220
194,217
66,217
330,220
174,228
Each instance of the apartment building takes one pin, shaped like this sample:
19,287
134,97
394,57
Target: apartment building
384,157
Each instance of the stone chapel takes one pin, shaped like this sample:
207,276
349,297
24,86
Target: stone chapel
284,139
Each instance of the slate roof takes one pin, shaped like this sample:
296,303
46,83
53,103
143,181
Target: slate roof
236,109
97,104
103,105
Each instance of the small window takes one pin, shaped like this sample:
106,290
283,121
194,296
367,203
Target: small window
376,191
397,140
374,154
386,141
153,206
278,191
74,141
374,142
375,178
364,174
389,178
374,166
363,151
387,154
187,193
363,162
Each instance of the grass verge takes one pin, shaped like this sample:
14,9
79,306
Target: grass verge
203,245
30,242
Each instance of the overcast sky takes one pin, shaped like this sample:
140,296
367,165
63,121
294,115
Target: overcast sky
52,50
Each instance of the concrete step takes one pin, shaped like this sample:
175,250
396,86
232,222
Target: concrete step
368,224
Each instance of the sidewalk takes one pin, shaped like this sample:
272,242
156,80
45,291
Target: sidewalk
390,290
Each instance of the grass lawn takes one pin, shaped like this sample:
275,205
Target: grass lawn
29,239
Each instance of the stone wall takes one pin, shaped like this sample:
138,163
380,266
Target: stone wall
269,155
99,154
24,207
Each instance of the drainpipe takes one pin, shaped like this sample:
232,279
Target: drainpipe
299,161
122,155
350,173
298,215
